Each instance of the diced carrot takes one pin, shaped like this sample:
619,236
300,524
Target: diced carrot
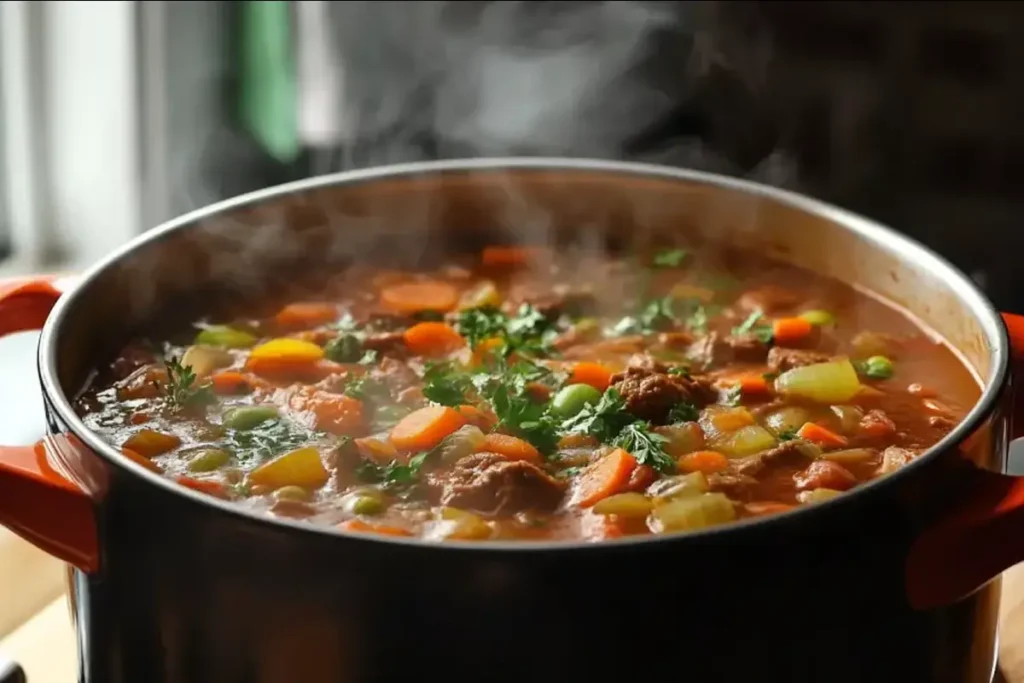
149,443
815,433
139,418
413,297
767,507
484,419
790,330
605,477
505,256
138,459
334,413
577,441
301,314
511,447
750,384
877,425
432,339
288,371
707,462
642,477
212,488
229,382
596,375
423,429
375,449
359,526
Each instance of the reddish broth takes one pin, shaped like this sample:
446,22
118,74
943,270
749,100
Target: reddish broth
503,397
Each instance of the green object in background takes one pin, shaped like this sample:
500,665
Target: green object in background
267,90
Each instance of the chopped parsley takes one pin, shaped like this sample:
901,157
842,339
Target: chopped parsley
529,332
753,325
679,371
670,258
646,446
267,440
603,421
345,348
446,384
683,412
183,389
787,435
732,395
393,474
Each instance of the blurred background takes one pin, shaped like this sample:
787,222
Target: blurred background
119,115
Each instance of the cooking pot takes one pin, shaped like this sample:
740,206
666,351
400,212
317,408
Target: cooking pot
892,582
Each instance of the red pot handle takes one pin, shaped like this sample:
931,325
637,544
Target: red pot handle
39,499
980,536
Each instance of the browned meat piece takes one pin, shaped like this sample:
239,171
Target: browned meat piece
392,343
792,453
552,301
732,484
397,374
769,299
780,359
824,474
131,359
492,484
650,392
713,350
877,424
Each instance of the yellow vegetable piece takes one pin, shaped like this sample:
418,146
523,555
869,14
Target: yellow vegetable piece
149,443
285,349
301,467
831,382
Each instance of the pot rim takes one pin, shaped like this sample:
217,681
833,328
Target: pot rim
879,235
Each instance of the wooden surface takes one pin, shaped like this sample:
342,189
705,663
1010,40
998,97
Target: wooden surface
45,646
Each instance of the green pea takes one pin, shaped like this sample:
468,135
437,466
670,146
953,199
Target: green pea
224,336
878,367
248,417
571,399
344,349
208,459
291,493
367,505
818,318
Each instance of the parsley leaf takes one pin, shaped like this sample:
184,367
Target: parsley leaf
646,446
529,332
698,320
345,348
183,391
787,434
732,395
393,474
683,412
752,325
481,323
446,384
603,421
670,258
267,440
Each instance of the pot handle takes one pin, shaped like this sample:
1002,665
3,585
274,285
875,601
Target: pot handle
37,500
979,537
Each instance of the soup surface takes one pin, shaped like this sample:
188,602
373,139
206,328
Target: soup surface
519,394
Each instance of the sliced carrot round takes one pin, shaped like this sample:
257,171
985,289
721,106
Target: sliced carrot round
511,447
432,339
334,413
423,429
303,314
707,462
413,297
603,478
596,375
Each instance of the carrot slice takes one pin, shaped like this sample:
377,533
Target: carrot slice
767,507
423,429
484,419
607,476
504,256
284,370
815,433
790,330
511,447
302,314
212,488
360,526
413,297
432,339
145,462
750,383
334,413
596,375
230,382
707,462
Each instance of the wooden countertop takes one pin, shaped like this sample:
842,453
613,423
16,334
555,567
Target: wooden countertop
45,645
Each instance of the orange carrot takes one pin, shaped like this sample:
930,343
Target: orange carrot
707,462
484,419
504,256
283,369
212,488
577,441
511,447
485,350
603,478
360,526
594,374
432,339
767,507
423,429
605,527
790,330
750,383
376,449
413,297
815,433
138,459
334,413
298,315
230,382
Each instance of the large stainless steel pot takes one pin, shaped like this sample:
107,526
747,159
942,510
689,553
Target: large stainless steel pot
891,582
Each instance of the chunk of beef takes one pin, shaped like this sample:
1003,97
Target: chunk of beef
392,343
825,474
792,453
780,359
769,299
733,484
650,392
492,484
713,350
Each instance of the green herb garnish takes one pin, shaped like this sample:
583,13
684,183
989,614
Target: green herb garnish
603,421
646,446
268,440
732,395
670,258
345,348
446,384
683,412
753,325
787,434
395,473
183,389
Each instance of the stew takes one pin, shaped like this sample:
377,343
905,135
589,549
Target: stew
520,394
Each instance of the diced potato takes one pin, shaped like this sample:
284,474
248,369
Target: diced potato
894,458
831,382
149,443
461,525
287,349
849,418
624,505
207,459
302,467
690,514
851,456
484,293
464,441
745,441
717,420
817,495
788,419
679,486
683,438
205,359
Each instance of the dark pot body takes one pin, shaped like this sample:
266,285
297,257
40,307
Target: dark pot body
179,588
